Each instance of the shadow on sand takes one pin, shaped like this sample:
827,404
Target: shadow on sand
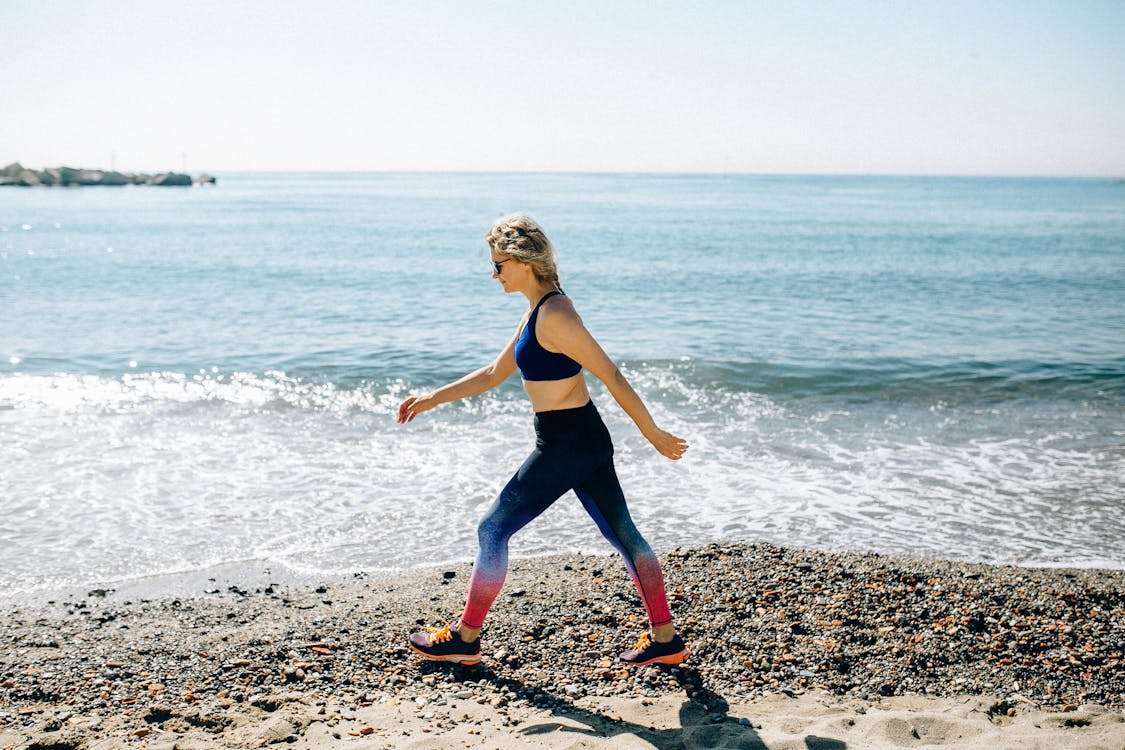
703,715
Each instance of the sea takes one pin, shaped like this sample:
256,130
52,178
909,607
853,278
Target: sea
209,376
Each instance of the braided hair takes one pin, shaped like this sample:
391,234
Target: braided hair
519,236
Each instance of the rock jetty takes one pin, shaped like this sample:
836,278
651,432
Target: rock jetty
17,175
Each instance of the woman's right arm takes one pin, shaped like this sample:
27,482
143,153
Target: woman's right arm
484,379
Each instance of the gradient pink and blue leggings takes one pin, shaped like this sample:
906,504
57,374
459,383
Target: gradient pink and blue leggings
573,451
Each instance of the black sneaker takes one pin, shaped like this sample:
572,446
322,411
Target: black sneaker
648,651
445,644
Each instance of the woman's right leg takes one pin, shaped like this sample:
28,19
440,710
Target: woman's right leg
542,480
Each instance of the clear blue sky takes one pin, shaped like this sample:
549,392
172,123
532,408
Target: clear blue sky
920,87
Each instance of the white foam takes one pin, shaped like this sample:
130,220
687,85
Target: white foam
109,478
91,392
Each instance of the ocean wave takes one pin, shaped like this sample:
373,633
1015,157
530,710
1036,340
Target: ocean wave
111,477
688,383
894,380
270,389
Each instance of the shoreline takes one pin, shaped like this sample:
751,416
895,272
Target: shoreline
258,573
844,647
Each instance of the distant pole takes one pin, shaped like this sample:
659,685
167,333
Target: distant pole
183,161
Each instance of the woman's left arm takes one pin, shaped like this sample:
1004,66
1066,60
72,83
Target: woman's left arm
560,328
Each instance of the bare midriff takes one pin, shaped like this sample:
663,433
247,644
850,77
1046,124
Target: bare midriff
552,395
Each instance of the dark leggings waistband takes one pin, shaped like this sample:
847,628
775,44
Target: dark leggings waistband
567,420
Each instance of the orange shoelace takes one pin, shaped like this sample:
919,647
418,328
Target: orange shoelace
643,642
440,635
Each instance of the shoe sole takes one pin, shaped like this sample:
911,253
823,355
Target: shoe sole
455,658
671,659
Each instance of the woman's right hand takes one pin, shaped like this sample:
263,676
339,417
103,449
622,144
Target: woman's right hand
414,406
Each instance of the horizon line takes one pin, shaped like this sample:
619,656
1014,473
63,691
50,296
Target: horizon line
1113,176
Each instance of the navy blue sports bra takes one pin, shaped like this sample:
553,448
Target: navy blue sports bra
535,362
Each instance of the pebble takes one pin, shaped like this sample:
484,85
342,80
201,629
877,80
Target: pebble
759,620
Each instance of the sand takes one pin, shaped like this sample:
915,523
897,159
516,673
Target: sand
791,649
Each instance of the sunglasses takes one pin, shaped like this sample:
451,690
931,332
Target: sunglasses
496,264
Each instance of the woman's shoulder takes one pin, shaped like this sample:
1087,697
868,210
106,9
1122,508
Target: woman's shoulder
558,313
558,306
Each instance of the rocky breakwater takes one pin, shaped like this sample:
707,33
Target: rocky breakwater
17,175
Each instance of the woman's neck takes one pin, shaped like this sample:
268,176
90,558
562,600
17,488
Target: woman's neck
537,291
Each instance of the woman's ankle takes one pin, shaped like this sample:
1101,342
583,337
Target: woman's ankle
663,633
467,634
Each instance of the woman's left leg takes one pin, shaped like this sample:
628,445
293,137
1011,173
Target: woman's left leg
603,499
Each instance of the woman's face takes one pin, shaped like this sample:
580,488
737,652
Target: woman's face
507,270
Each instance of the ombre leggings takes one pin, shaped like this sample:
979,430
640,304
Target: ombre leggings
573,451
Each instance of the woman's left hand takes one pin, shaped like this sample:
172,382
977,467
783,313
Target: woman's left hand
667,444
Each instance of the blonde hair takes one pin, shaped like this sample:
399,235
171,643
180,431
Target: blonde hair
519,236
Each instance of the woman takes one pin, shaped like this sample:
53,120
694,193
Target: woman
573,450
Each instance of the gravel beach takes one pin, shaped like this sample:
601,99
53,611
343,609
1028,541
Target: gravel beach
790,648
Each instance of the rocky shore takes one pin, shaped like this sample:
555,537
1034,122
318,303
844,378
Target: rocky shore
781,640
17,175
